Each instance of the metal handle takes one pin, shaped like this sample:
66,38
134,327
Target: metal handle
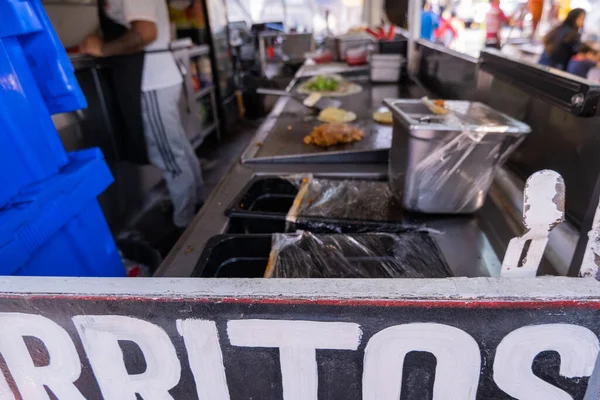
274,92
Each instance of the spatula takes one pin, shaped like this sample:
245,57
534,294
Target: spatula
319,104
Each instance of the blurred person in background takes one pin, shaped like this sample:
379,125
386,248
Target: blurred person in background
134,36
564,41
494,22
553,13
445,33
457,23
582,63
536,8
429,23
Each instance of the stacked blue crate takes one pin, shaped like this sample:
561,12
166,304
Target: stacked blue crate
50,220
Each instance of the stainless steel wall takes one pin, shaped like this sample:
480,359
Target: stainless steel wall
560,108
444,72
559,141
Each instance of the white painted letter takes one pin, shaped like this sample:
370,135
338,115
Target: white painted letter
6,392
100,335
457,354
297,342
64,367
205,358
577,346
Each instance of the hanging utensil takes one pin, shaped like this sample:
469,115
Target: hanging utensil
315,101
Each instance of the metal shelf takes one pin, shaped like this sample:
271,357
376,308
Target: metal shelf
199,139
197,51
203,92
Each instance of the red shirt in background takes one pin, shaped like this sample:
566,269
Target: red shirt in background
494,20
445,26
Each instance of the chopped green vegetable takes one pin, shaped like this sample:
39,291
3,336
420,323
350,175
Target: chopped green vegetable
323,84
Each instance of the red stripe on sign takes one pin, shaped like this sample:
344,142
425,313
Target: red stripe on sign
412,303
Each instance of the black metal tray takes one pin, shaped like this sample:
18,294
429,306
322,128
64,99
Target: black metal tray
264,198
261,206
247,256
234,256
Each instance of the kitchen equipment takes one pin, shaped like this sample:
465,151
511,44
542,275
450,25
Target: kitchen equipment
391,34
320,104
357,56
321,56
343,43
381,34
373,33
446,163
395,46
386,67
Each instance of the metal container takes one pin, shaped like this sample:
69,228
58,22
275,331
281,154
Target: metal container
343,43
386,67
296,45
445,163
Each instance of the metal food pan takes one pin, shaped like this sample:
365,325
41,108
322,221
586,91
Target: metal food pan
445,163
247,256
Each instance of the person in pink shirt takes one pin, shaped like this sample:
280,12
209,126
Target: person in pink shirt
445,33
494,21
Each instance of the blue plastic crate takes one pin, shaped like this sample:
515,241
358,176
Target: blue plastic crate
56,228
30,148
36,80
51,69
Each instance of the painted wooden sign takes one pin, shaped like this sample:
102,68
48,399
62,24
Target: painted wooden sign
298,339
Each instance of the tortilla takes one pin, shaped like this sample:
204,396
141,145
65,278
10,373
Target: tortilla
383,117
336,115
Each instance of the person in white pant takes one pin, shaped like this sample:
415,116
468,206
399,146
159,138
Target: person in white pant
135,35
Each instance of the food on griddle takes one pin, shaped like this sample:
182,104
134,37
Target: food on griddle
312,99
435,106
329,86
336,115
383,116
323,84
326,135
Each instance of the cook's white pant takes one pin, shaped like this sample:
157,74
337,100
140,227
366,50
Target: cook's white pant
171,151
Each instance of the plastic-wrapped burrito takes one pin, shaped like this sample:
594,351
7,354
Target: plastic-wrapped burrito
369,255
347,205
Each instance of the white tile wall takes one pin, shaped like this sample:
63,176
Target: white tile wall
72,23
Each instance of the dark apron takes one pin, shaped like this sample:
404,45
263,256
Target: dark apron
126,75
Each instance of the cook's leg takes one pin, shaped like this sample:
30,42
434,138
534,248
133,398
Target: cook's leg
196,169
168,149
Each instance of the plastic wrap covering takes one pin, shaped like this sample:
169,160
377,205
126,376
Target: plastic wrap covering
370,255
332,205
452,164
457,175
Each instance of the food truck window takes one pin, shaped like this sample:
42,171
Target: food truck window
299,15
